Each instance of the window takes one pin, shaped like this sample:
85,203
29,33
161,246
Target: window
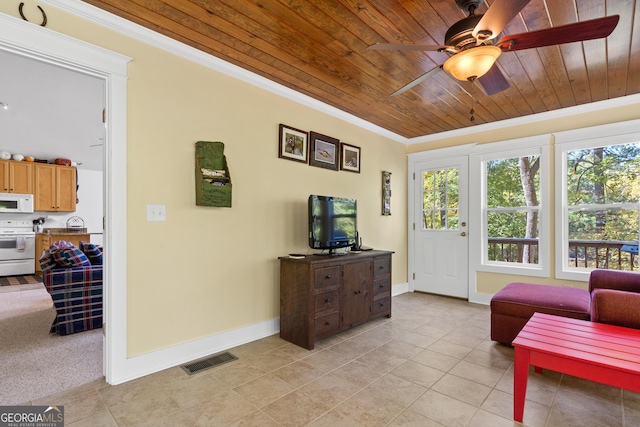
599,186
513,209
514,230
602,194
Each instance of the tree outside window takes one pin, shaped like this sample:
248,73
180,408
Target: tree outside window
512,209
603,198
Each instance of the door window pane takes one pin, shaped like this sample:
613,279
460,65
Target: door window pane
440,199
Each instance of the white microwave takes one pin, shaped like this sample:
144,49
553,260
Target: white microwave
16,203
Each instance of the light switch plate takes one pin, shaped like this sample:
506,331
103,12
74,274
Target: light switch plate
156,213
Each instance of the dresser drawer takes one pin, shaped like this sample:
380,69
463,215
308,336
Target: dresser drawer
382,286
381,266
327,301
381,305
327,324
328,276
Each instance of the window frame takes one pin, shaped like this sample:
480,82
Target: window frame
531,146
581,139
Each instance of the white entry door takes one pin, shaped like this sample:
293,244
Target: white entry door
441,227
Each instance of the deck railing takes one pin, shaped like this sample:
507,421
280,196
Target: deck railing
513,250
582,253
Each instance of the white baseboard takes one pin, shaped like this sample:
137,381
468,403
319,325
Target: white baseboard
479,298
145,364
400,289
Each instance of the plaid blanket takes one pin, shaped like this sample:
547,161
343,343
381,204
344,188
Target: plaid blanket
77,297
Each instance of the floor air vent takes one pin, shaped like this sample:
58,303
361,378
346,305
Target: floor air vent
208,362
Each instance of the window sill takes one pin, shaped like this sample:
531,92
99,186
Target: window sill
515,269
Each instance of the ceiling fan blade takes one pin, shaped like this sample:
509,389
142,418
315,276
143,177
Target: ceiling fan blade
499,14
494,81
390,46
417,81
580,31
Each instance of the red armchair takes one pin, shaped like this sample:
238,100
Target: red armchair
615,297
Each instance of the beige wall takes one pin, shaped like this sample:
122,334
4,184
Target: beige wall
208,270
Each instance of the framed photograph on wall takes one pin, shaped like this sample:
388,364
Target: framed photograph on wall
324,151
350,158
386,193
293,144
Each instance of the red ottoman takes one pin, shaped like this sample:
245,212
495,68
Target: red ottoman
514,304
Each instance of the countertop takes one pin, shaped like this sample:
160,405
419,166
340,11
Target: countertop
59,231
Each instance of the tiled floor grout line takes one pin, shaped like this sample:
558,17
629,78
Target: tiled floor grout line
432,333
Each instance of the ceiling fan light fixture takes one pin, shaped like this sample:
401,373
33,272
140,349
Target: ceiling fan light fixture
472,63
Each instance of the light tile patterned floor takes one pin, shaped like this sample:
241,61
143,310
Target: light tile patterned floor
431,364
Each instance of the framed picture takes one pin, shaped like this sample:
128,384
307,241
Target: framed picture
386,193
350,158
324,151
293,144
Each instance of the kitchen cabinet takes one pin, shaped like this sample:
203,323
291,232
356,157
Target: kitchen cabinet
55,188
16,177
321,296
44,240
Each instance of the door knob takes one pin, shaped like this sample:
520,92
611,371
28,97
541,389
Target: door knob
463,234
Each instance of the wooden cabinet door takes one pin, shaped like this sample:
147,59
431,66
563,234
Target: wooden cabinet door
356,297
16,177
4,176
66,189
21,177
43,241
45,187
55,188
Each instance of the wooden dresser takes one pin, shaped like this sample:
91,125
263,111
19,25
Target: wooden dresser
323,295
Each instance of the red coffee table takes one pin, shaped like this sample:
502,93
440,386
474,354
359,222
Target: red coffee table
594,351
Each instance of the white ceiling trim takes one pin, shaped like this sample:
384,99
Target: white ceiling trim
623,101
131,29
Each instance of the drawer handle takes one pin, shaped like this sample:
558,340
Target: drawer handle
328,276
327,323
381,267
381,304
328,300
358,292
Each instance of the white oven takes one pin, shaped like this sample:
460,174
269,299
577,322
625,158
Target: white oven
16,203
17,248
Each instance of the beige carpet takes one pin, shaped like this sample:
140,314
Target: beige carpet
33,362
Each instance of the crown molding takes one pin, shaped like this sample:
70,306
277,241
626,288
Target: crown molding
623,101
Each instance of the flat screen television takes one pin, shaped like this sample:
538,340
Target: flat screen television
333,222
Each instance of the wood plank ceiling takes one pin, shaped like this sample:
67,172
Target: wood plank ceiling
318,47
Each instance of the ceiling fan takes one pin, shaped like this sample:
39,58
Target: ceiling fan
470,42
